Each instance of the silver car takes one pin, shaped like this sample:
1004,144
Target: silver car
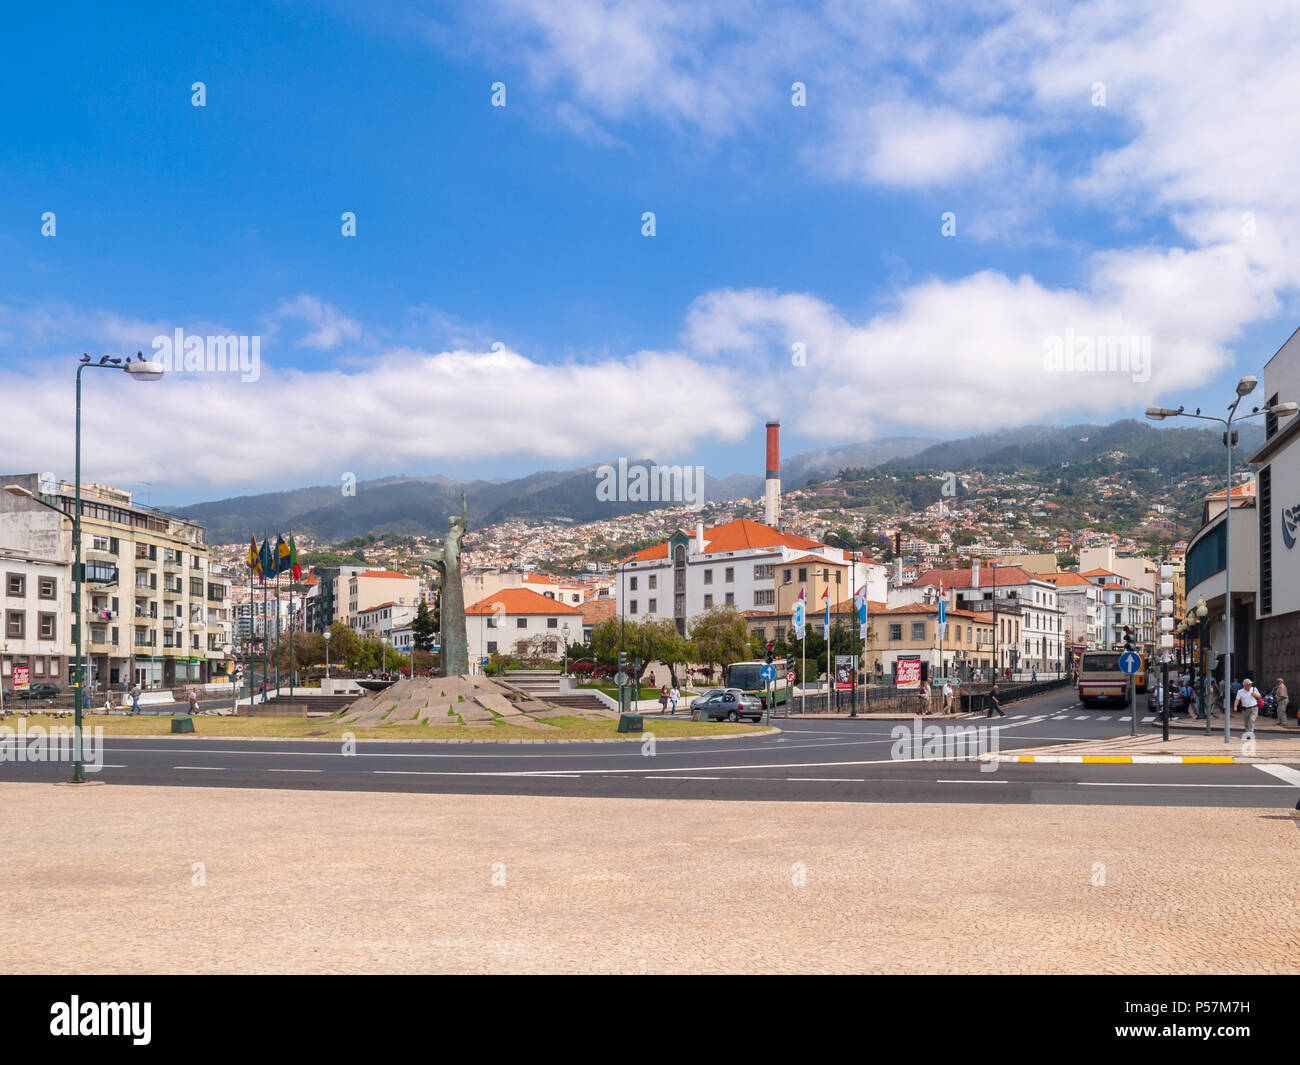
728,704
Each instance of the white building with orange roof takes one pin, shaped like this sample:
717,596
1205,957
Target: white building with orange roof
498,623
741,564
371,587
1082,608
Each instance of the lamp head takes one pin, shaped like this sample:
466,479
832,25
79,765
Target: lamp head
1284,410
19,490
1247,385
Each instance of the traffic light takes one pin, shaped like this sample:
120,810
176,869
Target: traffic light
789,662
767,654
622,661
1128,638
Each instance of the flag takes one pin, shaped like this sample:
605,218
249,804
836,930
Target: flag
294,568
254,559
281,557
266,560
860,598
943,605
797,618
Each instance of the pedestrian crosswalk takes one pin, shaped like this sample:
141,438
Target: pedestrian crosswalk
1066,715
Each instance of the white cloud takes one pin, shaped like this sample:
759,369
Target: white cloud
329,328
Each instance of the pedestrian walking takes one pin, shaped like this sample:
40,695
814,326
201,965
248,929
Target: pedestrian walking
135,699
663,699
995,703
947,697
1216,696
1033,675
194,702
1283,698
673,696
1248,700
925,697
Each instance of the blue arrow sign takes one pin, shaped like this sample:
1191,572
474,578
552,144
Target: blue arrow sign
768,673
1130,662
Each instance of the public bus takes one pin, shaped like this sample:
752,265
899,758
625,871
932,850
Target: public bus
1102,681
745,676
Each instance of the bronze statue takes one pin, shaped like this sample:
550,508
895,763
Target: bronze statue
455,646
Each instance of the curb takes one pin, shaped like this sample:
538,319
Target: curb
1121,759
630,738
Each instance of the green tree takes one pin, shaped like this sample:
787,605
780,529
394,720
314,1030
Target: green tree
719,636
422,628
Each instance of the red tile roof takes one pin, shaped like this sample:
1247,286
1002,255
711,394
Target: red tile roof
961,578
386,574
521,601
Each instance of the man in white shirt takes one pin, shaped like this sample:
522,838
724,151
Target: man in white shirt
947,697
1248,700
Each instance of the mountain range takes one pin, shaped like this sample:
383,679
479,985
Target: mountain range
406,505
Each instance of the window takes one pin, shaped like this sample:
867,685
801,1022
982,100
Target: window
492,622
918,630
968,634
99,543
47,588
708,601
521,623
767,572
654,606
786,577
631,586
731,599
15,624
552,623
765,597
896,631
803,574
492,647
196,586
729,575
631,607
16,586
47,625
708,576
780,632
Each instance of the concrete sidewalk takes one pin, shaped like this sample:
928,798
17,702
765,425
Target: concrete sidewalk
120,879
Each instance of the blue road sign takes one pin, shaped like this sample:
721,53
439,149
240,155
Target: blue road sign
485,661
1130,662
768,673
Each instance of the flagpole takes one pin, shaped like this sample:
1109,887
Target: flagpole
249,654
277,630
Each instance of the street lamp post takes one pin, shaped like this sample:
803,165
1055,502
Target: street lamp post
565,628
1244,388
328,634
141,370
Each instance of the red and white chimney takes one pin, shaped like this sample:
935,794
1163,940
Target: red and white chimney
772,486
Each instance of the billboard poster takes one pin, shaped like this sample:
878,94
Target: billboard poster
843,673
22,679
907,673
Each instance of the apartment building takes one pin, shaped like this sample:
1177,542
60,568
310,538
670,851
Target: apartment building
153,607
380,620
912,630
371,587
499,623
36,612
1082,608
754,568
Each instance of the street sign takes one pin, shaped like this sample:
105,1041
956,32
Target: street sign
1130,663
622,679
789,676
768,673
485,661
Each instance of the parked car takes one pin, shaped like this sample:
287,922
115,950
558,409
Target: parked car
1177,704
730,704
40,691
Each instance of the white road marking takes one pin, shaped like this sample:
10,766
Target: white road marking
1083,717
1104,717
210,768
829,780
295,770
1282,772
972,782
691,778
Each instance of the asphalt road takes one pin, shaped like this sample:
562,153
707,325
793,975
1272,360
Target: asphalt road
811,760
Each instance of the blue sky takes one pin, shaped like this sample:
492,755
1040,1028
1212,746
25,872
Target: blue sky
1168,212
